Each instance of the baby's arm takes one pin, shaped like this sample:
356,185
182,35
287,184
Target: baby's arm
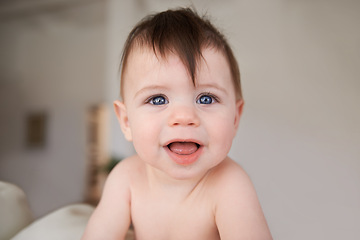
238,212
111,218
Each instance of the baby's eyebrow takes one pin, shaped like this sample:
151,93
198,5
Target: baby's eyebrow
212,85
152,88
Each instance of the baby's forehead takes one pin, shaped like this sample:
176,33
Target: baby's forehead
145,59
143,62
143,54
147,54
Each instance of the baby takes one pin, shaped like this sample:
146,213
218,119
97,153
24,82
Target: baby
181,107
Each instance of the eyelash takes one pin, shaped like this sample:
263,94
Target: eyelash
213,97
209,94
151,98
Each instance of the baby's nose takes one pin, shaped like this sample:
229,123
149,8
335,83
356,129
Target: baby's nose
184,115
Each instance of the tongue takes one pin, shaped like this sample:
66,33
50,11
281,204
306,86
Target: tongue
183,148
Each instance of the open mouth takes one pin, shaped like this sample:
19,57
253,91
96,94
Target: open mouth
184,152
183,148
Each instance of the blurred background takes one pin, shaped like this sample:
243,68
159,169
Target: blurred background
299,138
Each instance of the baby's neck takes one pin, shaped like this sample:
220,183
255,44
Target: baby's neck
178,188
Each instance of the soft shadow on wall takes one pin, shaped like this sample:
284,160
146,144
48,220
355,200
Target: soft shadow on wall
52,64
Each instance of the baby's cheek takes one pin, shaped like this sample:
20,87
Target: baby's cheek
145,137
223,134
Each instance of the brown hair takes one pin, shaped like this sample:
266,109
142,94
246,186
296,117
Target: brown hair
183,32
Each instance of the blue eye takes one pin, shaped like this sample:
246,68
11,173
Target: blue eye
205,99
158,100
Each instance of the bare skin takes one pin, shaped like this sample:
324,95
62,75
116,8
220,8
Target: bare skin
181,184
220,205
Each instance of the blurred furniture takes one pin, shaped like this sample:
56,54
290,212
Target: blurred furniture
96,151
15,213
16,222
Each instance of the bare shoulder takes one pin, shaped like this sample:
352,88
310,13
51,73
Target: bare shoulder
111,218
238,212
121,179
126,169
229,175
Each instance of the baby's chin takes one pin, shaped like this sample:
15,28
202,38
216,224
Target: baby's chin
176,172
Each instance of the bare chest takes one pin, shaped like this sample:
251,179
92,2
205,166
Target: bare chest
164,219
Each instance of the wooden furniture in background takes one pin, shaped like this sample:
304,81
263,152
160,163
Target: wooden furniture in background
97,156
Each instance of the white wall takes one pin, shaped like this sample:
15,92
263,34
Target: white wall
299,136
53,62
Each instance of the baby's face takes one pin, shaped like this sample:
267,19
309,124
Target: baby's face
178,128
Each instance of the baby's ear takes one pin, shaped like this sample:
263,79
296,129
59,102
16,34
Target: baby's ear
122,116
238,111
